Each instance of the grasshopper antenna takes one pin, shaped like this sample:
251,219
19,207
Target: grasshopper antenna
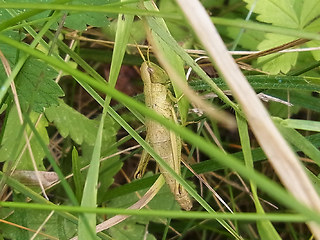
148,54
141,54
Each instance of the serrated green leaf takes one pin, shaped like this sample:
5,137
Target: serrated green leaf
42,14
129,230
75,20
83,131
315,54
310,11
275,63
250,40
71,123
280,13
10,53
33,219
293,14
162,200
36,87
12,143
80,21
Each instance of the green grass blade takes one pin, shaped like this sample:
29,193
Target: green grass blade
108,8
307,125
89,197
122,37
265,227
279,217
260,82
23,16
296,139
76,174
265,28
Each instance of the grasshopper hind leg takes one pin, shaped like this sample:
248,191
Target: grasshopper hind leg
143,163
145,157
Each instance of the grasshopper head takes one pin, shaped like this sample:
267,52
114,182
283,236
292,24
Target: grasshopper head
157,74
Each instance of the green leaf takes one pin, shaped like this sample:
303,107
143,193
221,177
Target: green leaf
265,228
36,87
163,200
109,168
102,171
267,231
315,54
280,13
302,124
130,230
250,40
80,21
71,123
74,20
10,53
310,11
13,142
87,221
77,174
292,14
303,99
264,82
277,62
297,140
54,227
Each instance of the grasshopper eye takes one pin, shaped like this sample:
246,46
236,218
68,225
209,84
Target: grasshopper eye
150,70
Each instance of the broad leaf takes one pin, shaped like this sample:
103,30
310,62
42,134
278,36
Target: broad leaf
10,53
36,87
293,14
56,226
280,13
80,21
14,141
275,63
134,226
71,123
83,131
74,20
130,230
310,11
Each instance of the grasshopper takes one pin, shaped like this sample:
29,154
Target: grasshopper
165,143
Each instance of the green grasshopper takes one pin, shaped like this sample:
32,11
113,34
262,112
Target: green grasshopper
165,143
